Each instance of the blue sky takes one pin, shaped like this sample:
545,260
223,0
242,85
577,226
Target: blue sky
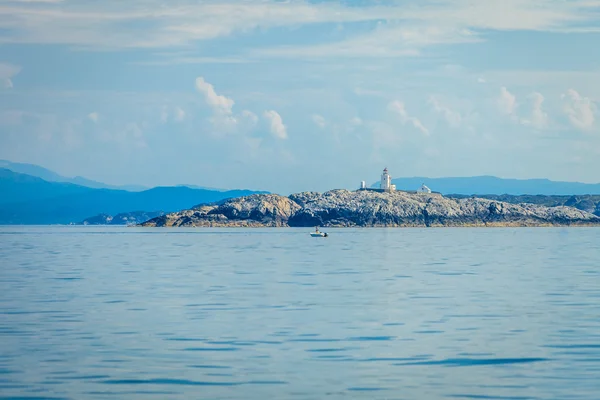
291,95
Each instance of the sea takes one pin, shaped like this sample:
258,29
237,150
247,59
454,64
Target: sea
207,313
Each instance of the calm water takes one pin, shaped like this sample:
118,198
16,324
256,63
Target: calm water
123,313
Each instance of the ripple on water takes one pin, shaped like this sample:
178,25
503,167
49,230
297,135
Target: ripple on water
467,362
165,381
371,338
211,349
210,366
187,382
330,350
33,398
573,346
484,397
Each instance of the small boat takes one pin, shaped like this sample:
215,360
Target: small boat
317,233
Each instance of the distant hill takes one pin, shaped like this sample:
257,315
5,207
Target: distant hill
51,176
490,185
27,199
129,218
16,187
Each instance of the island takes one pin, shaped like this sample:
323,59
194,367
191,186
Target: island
372,208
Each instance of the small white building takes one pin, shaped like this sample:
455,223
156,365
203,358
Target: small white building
363,185
386,182
424,189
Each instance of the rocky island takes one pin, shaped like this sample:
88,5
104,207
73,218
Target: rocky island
343,208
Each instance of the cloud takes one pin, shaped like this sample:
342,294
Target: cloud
223,118
135,24
356,121
7,71
93,116
132,134
319,120
177,60
277,127
219,103
411,24
539,118
507,102
179,114
222,107
384,42
398,108
580,110
250,117
176,114
453,118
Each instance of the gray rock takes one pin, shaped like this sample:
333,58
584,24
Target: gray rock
344,208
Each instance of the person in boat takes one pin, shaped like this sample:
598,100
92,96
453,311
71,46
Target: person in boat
316,229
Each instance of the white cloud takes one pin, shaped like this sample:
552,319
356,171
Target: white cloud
7,71
319,120
93,116
131,135
453,118
580,110
398,108
176,114
356,121
277,127
179,114
223,118
539,118
394,41
113,23
250,117
167,59
219,103
138,24
222,106
507,102
368,92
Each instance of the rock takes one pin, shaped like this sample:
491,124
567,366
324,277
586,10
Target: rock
343,208
251,211
589,203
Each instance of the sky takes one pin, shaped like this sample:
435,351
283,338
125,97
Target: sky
296,95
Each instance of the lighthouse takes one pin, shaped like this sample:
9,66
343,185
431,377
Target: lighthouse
424,190
386,182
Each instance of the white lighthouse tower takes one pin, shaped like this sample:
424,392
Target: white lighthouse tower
386,182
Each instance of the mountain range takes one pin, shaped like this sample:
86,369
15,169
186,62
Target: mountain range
51,176
28,199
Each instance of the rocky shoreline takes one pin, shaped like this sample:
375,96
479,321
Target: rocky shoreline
343,208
